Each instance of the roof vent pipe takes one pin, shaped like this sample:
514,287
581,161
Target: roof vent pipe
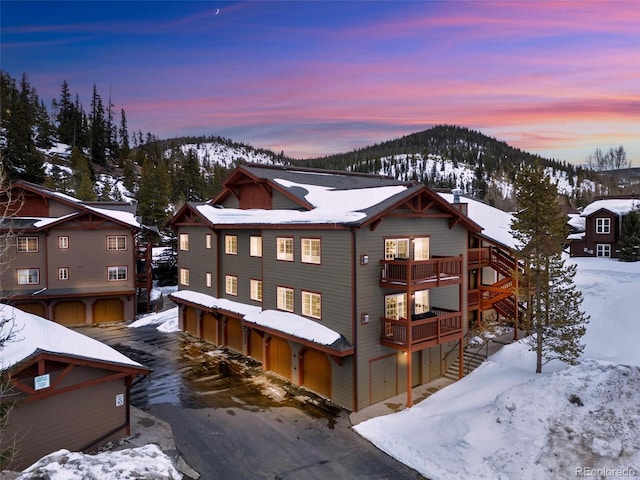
456,195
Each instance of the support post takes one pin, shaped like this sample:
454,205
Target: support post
460,361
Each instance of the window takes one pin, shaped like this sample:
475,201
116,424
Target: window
256,290
27,244
63,273
310,250
208,279
396,248
312,304
285,248
63,242
285,299
184,276
208,241
184,242
255,246
117,273
28,276
603,226
231,282
421,298
116,242
603,250
421,248
395,306
230,244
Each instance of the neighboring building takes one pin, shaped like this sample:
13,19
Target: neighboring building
316,273
70,391
598,235
71,261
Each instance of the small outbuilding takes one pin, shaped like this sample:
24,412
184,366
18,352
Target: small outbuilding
66,390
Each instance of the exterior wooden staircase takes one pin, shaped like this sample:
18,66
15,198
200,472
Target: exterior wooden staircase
471,362
499,295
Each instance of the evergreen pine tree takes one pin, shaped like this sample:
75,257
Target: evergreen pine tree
98,132
630,236
540,228
153,193
82,183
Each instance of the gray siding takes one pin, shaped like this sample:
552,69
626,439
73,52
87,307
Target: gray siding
199,260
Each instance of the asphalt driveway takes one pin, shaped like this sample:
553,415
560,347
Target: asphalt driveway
232,421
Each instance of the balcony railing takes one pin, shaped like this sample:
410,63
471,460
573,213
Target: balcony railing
442,327
479,257
435,272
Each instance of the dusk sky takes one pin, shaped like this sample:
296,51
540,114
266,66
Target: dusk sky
312,78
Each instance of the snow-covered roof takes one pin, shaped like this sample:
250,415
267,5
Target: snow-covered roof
285,322
496,223
34,334
294,325
619,206
576,222
209,301
576,236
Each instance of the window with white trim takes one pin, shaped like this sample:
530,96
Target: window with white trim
256,290
231,244
396,248
116,242
255,246
312,304
184,242
285,299
63,242
285,248
63,273
310,250
395,306
28,276
208,241
117,273
421,248
603,250
209,279
603,226
184,276
27,244
231,282
421,301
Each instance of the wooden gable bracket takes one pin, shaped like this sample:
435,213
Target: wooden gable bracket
376,224
336,359
453,222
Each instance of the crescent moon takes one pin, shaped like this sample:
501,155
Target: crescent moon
217,11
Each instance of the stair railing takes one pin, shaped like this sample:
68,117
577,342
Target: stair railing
478,353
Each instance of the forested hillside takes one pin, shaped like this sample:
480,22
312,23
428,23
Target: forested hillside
91,154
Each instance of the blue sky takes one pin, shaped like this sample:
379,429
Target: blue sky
312,78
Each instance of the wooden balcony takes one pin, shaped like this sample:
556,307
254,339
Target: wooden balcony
441,327
478,257
420,274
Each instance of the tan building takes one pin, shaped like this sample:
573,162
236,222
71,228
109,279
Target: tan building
71,261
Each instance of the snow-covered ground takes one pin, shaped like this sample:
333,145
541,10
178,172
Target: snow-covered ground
503,421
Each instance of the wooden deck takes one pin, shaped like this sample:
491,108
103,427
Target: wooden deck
420,274
445,326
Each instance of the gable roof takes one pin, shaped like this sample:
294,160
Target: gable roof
618,206
325,198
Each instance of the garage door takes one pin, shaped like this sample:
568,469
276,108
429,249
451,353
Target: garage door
191,321
35,308
210,328
70,313
279,359
255,345
108,310
316,372
233,331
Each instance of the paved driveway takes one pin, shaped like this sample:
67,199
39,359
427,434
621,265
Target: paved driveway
231,421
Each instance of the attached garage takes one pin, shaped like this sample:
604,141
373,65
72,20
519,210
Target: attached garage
190,321
35,308
279,357
256,341
233,334
315,371
70,313
109,310
210,328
